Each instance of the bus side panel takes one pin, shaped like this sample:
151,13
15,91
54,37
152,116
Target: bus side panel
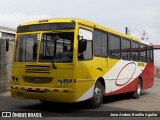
148,76
147,81
130,87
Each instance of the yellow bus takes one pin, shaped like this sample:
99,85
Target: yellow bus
73,60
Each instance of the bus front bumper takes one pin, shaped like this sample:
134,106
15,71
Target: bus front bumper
45,94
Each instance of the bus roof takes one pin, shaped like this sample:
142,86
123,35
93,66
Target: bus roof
83,22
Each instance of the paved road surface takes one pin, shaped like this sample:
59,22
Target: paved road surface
149,101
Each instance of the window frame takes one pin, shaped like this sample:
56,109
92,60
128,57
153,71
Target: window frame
94,50
145,52
87,40
150,55
119,46
126,39
132,41
102,32
104,56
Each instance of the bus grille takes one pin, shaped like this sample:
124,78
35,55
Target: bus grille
37,80
37,69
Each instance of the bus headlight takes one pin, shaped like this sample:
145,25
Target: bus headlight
59,82
13,78
65,81
16,79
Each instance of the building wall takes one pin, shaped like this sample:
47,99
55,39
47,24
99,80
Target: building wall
6,60
156,71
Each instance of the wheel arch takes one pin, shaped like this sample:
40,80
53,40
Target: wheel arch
141,79
101,80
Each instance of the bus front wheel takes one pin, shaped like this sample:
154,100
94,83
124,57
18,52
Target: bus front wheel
97,98
136,94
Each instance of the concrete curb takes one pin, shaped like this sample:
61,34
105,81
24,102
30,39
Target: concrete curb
3,92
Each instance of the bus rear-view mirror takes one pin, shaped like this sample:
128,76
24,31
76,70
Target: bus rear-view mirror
82,45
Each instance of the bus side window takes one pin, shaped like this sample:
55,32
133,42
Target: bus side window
126,49
100,43
135,51
149,54
114,46
97,42
143,53
85,39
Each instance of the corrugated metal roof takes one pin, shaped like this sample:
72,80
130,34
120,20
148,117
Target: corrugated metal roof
7,30
156,46
157,67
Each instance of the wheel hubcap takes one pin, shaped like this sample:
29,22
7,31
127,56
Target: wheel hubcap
98,95
138,89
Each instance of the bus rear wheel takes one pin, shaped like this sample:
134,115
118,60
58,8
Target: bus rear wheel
136,94
97,98
45,102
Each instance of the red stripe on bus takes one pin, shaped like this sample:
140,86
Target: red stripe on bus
65,90
29,88
38,89
56,90
46,89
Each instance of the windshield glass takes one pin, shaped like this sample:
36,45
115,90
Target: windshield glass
27,48
57,47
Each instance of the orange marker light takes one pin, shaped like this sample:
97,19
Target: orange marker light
43,21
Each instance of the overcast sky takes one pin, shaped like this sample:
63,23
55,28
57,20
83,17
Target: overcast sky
116,14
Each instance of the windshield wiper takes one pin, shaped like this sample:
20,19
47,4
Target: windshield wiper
49,52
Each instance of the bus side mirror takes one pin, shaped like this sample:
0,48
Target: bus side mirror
82,45
7,45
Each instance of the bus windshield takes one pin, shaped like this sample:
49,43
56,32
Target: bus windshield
26,50
57,46
54,47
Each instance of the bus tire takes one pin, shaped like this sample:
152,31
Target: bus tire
136,94
45,102
97,98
